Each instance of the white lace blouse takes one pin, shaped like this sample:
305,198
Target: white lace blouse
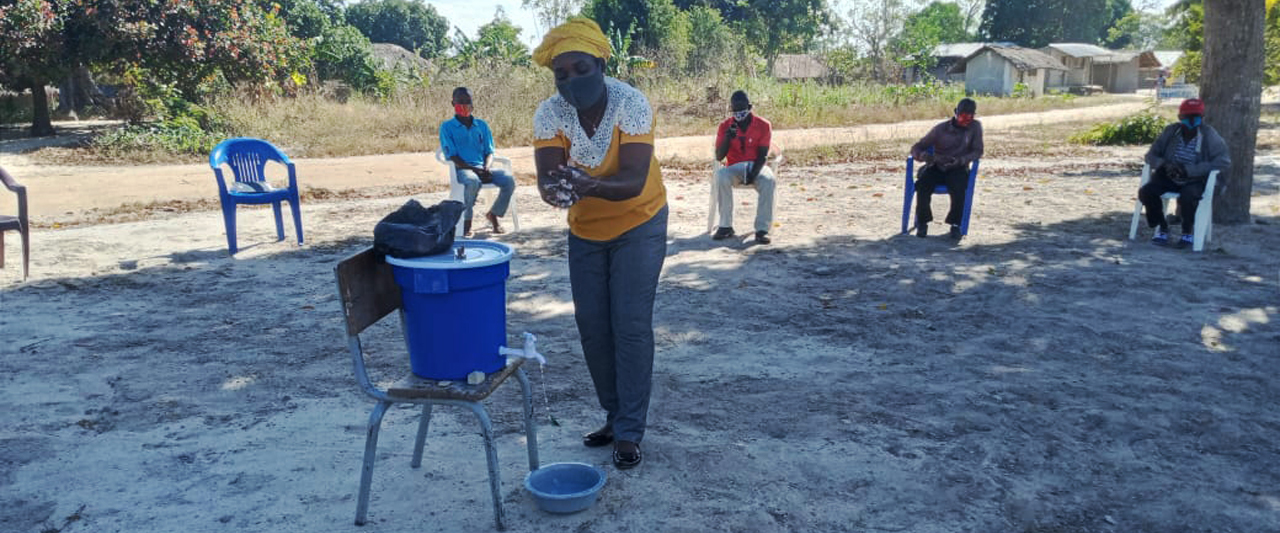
628,110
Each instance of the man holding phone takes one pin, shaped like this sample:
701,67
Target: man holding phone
742,142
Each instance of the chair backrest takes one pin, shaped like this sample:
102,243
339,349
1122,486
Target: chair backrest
366,289
247,157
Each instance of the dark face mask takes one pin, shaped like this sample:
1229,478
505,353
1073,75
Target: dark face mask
582,92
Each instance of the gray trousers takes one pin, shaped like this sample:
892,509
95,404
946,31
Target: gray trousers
731,176
471,188
614,284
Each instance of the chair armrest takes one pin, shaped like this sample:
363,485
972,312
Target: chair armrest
222,183
503,162
9,182
1210,186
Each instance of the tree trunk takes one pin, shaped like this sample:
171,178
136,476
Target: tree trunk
77,92
41,124
1231,87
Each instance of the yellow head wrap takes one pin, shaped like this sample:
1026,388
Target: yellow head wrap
579,34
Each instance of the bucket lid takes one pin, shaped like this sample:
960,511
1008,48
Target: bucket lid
477,254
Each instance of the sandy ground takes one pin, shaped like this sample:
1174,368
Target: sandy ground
1044,375
62,192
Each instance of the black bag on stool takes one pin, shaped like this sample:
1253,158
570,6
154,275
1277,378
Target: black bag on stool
416,231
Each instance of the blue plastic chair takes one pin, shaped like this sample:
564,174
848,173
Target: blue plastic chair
941,189
248,159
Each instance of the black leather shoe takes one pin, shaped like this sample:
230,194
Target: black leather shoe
762,237
598,438
626,455
922,230
722,234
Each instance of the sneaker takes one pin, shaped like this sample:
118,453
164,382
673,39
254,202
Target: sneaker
1186,241
762,237
955,232
1161,237
722,234
922,230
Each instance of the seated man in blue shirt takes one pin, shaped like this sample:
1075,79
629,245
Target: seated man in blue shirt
467,142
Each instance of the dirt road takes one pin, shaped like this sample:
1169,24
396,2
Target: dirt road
57,191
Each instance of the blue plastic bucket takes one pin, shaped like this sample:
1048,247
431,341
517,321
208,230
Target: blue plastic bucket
455,309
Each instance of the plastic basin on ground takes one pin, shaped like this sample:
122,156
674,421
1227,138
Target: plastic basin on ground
565,487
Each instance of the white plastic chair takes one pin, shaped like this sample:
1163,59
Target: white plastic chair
716,165
1204,212
458,192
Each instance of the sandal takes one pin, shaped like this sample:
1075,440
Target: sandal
626,460
598,438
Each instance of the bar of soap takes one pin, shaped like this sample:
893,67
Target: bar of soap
475,378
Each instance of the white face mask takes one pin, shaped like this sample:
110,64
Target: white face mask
741,115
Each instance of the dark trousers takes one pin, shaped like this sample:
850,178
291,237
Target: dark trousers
614,284
1189,195
956,180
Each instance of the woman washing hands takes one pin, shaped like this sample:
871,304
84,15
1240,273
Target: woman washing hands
594,155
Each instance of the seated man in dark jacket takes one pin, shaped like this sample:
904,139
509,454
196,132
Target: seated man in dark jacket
1181,160
956,143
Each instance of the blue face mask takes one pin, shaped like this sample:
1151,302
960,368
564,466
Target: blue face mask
741,115
1192,122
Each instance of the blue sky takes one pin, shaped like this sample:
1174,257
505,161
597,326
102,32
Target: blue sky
469,15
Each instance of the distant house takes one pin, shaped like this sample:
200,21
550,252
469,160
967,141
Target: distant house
799,67
1114,71
997,68
945,56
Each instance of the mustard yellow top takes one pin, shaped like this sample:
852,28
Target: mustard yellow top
627,119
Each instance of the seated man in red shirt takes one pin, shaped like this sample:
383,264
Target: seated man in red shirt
743,143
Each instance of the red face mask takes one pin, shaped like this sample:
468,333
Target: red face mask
964,119
462,110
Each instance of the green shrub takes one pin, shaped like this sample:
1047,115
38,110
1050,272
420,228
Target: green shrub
1139,128
177,136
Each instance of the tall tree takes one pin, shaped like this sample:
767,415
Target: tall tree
711,40
411,24
550,13
772,26
872,25
1232,91
942,22
651,21
31,49
184,42
972,11
498,41
1036,23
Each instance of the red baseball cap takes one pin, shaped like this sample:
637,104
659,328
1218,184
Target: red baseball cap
1191,106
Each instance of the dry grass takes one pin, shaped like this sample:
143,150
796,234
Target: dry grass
314,125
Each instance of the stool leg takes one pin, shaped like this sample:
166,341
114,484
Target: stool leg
491,452
530,423
370,449
422,436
